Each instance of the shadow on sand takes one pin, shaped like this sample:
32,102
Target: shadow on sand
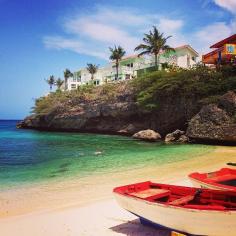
135,228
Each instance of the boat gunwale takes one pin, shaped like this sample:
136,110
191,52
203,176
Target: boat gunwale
226,210
195,176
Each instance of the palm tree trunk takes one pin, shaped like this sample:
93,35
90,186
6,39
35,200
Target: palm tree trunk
155,60
117,67
66,85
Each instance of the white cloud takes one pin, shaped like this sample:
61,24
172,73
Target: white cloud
102,32
229,5
107,27
59,43
210,34
170,25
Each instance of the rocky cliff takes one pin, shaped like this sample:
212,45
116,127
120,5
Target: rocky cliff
215,122
119,115
160,101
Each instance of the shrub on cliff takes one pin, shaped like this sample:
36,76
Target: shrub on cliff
200,82
150,89
66,100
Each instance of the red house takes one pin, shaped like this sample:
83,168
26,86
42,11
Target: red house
224,53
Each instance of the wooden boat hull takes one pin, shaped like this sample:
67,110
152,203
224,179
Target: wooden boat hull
190,221
215,180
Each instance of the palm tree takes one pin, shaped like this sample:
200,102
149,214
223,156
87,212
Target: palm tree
92,69
116,55
59,82
51,81
67,74
154,42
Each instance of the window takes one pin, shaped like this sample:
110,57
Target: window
131,65
73,86
230,49
127,76
193,58
96,82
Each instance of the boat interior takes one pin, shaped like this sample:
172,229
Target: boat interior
224,176
180,196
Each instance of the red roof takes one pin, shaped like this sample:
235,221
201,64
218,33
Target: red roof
210,53
231,39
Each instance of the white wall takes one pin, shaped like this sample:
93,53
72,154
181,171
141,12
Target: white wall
183,58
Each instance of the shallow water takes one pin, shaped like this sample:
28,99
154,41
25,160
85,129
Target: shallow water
28,157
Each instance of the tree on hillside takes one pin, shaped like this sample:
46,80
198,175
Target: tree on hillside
154,43
67,74
116,55
92,69
59,82
51,81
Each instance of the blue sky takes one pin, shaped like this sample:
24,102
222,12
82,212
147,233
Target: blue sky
42,38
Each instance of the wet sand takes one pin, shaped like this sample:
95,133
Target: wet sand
86,206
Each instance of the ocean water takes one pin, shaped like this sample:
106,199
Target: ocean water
29,157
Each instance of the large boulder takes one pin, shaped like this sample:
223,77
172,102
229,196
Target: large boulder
148,135
183,139
129,129
174,136
228,102
215,122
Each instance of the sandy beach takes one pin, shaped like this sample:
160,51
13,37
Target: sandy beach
79,208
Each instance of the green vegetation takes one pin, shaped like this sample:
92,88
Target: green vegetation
59,82
200,82
150,88
67,75
92,69
116,54
60,101
154,42
51,81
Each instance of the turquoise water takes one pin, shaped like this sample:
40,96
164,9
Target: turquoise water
28,156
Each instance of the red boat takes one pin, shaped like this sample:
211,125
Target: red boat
223,179
192,211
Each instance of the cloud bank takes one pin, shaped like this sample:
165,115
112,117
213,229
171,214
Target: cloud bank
105,27
229,5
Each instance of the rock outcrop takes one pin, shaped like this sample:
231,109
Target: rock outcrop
147,135
176,136
118,115
215,122
183,139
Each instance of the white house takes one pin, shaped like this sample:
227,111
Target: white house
184,56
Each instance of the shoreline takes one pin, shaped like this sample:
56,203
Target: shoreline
84,191
124,134
85,208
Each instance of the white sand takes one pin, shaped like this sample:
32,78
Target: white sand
103,218
33,212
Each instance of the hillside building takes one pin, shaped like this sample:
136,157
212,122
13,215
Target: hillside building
184,56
